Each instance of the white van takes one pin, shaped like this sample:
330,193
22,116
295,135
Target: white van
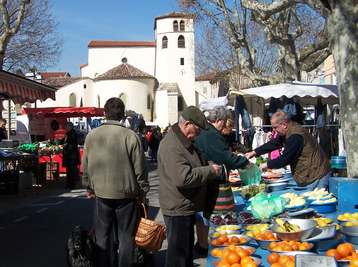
21,134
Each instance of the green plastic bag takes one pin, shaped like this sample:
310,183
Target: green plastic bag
265,207
250,176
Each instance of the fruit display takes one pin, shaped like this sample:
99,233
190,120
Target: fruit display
317,194
277,260
295,200
225,219
323,200
261,227
287,227
225,228
290,246
253,190
267,235
323,222
343,251
351,223
228,240
348,216
247,218
217,252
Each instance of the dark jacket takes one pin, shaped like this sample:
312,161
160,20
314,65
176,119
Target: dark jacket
236,146
71,154
214,148
183,175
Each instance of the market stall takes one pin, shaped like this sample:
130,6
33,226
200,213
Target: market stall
19,90
49,122
324,219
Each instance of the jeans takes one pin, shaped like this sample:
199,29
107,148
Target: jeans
180,238
321,183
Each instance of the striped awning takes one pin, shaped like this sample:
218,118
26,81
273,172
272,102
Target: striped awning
21,90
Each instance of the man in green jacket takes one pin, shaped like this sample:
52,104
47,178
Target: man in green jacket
115,173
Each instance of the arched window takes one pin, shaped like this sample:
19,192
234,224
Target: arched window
175,26
181,42
164,42
148,101
123,97
72,100
98,101
182,26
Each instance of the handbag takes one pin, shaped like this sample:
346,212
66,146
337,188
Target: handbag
219,198
149,235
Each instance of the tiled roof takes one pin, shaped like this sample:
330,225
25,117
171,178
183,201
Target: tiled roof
47,75
84,65
119,43
175,15
205,77
59,82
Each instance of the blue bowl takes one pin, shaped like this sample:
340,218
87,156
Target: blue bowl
327,244
324,207
296,207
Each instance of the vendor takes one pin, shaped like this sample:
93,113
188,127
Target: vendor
2,129
309,164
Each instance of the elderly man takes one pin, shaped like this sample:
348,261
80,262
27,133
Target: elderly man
115,172
183,177
309,164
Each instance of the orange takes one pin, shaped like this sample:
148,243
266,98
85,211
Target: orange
259,236
236,265
243,240
226,243
289,263
278,248
277,265
268,235
233,257
302,247
249,250
295,246
243,253
214,251
249,264
226,251
234,240
215,242
232,247
344,250
292,257
273,244
334,253
354,254
354,262
283,259
224,264
351,247
237,249
273,257
245,259
219,253
287,248
306,244
223,238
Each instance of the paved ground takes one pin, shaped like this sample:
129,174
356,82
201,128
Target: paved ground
27,196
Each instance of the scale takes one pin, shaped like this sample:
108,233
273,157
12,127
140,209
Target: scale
315,261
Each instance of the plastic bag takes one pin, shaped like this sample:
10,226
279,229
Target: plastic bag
250,176
265,207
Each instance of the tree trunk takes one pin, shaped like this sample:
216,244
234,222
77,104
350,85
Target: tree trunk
343,37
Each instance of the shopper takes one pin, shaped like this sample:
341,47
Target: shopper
115,173
71,155
2,129
229,136
309,164
183,177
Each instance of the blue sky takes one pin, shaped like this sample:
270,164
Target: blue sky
82,21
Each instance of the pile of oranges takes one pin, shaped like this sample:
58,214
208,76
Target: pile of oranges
225,240
266,235
281,261
344,251
289,246
233,256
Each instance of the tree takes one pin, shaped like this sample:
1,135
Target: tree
284,29
29,35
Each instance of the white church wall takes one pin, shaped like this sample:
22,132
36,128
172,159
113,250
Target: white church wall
161,107
100,60
136,92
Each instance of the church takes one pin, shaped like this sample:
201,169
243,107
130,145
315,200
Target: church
153,78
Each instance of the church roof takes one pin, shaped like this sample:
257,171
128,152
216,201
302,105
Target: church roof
59,82
47,75
172,15
121,44
124,71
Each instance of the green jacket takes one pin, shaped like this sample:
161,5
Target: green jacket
214,148
183,175
113,163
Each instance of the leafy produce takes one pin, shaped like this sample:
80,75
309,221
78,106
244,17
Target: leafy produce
253,190
225,219
287,227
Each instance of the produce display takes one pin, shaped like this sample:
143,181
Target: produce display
253,190
323,222
287,227
294,200
267,235
277,260
289,246
217,252
344,251
228,240
348,216
224,228
317,194
224,219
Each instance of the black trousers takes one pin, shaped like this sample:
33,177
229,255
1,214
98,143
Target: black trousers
118,213
71,171
180,238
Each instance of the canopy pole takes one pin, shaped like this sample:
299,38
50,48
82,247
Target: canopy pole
8,119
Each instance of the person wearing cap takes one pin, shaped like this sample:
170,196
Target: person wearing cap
183,177
213,146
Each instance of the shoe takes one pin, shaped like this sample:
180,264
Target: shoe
200,250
